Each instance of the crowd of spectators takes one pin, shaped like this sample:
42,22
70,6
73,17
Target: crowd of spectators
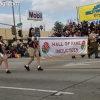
19,48
84,28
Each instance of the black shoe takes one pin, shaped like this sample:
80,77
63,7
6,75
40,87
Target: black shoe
40,69
27,68
8,72
82,56
89,56
97,57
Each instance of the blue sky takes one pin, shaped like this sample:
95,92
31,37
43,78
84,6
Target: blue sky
23,7
53,10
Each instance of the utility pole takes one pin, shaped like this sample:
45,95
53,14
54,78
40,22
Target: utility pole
14,21
77,15
7,24
20,20
44,27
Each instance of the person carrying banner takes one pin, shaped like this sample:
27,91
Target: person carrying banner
93,44
33,50
77,34
3,56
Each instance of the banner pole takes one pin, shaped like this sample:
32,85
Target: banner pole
77,14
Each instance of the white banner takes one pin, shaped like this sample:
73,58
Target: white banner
57,47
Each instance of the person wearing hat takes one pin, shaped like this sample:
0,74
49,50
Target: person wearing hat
93,43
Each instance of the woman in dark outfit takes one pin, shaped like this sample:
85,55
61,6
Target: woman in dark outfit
33,50
3,56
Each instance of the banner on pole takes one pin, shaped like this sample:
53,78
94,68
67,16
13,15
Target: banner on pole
55,47
89,12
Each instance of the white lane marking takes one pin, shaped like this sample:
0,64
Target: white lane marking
74,64
60,93
92,62
82,63
39,90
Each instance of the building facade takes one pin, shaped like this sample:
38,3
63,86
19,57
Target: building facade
8,37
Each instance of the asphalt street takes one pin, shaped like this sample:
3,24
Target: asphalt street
62,79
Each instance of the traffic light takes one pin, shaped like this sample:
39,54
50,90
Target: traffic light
13,30
13,39
20,33
21,40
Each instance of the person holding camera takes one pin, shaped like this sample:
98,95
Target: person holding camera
33,50
93,44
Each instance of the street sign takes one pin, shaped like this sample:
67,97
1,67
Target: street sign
19,24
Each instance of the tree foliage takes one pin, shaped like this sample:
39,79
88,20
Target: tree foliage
41,27
58,26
